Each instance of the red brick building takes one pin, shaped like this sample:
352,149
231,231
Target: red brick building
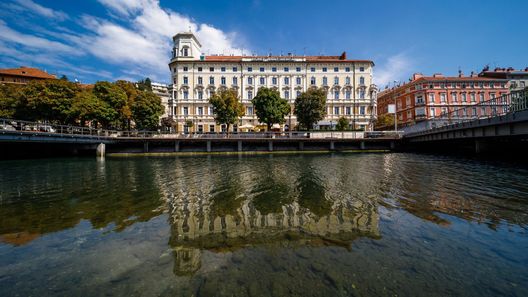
23,75
427,97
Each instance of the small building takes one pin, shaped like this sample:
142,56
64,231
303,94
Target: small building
518,79
23,75
428,97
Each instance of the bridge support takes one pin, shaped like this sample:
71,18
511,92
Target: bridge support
480,146
100,150
362,145
392,145
239,145
208,146
301,146
176,146
145,147
270,146
332,145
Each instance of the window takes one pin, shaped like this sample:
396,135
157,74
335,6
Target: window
474,111
185,110
286,69
250,80
250,69
443,97
222,80
348,110
200,69
336,95
312,81
200,128
312,69
250,95
492,96
286,80
211,69
261,69
362,110
211,112
454,96
286,94
347,94
432,112
298,94
211,80
336,69
362,94
273,69
200,110
235,81
298,80
361,69
464,97
431,97
419,99
273,80
347,69
185,80
235,69
325,81
298,69
185,68
211,128
249,110
361,80
472,97
200,95
408,101
200,80
336,80
324,69
223,69
481,97
347,80
262,80
185,95
336,110
185,51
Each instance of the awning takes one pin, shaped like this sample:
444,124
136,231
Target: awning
246,126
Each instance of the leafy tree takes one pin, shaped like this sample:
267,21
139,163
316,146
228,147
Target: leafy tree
270,107
9,96
384,121
87,107
169,122
342,124
64,77
115,97
310,107
146,110
132,93
227,108
145,85
47,100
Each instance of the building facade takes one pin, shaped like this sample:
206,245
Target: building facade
23,75
196,77
162,91
429,97
518,79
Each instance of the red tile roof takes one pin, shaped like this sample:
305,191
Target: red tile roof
329,59
27,72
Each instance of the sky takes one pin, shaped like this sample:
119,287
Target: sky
93,40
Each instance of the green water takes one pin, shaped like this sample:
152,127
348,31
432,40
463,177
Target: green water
292,225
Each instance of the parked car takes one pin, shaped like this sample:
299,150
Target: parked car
47,128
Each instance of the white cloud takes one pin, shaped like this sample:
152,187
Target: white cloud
395,68
43,11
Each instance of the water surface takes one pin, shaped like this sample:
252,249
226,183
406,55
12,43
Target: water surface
291,225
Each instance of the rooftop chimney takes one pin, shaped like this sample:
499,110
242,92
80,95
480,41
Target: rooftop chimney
510,69
417,76
460,74
343,56
438,75
473,74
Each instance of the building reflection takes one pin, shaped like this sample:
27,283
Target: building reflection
266,209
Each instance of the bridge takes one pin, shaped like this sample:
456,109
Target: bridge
489,125
25,138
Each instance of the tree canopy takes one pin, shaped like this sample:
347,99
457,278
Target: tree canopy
310,107
270,108
342,124
146,111
227,107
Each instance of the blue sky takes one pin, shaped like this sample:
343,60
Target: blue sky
94,40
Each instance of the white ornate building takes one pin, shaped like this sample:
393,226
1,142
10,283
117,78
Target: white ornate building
195,77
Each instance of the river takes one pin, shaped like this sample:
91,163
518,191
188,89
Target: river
341,224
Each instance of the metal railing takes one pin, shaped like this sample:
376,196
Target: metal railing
46,128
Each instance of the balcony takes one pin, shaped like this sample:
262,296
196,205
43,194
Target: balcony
419,103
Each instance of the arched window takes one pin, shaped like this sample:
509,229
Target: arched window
361,80
312,81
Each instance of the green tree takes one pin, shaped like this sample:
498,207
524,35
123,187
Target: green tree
132,93
87,107
310,107
384,121
227,108
47,100
9,96
270,107
342,124
145,85
146,110
116,98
